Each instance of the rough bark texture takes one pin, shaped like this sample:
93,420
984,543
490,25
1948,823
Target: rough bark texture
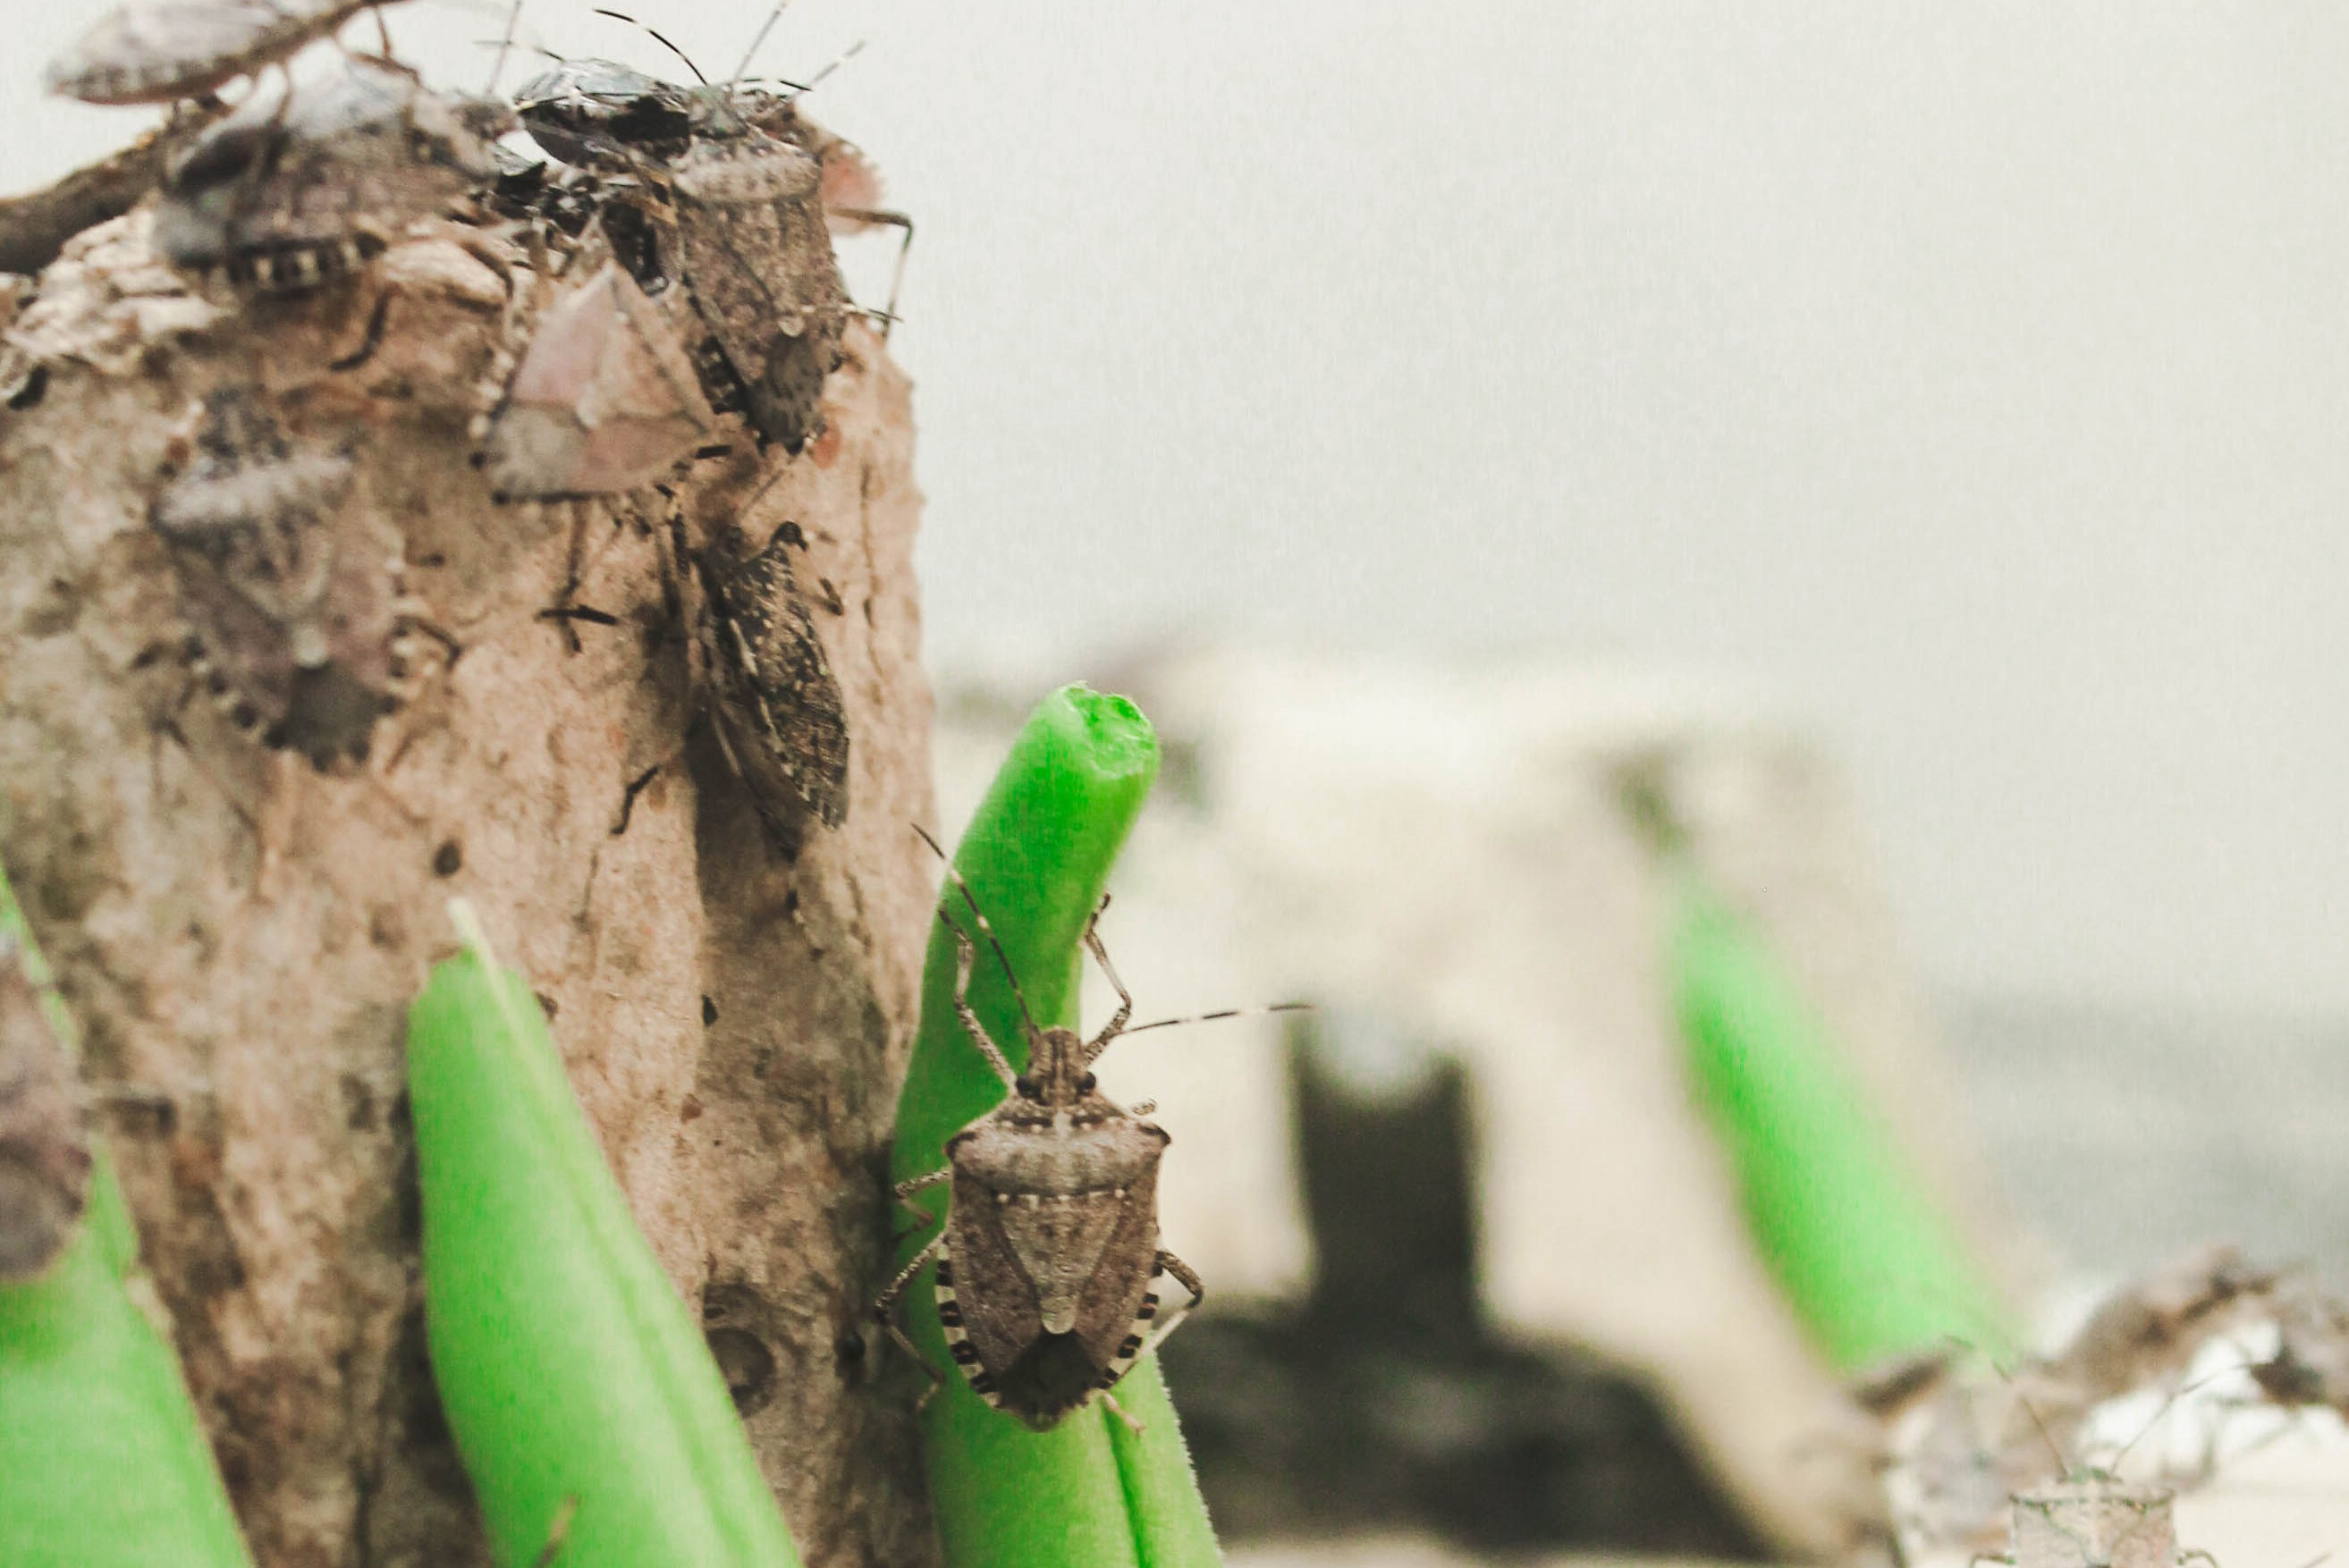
242,933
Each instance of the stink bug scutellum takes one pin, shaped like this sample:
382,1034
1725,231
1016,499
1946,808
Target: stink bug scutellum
1048,1258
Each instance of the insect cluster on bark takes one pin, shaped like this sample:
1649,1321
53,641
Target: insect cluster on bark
681,301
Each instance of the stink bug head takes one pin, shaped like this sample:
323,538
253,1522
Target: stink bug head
599,114
2094,1520
1057,1080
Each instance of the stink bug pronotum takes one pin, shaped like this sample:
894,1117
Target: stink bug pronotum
1048,1262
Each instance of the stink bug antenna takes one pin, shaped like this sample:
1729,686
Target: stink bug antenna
838,60
653,33
1026,1019
757,39
505,43
2168,1405
2046,1433
1220,1015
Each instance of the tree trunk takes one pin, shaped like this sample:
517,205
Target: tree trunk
239,932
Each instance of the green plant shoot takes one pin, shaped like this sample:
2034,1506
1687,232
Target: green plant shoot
581,1392
1090,1493
1869,1261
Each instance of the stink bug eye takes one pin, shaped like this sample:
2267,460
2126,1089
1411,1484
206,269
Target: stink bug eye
1085,1084
1025,1087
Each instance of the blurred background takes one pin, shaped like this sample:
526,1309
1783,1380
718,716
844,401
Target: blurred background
1911,428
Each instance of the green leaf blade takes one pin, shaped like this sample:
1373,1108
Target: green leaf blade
569,1368
1864,1253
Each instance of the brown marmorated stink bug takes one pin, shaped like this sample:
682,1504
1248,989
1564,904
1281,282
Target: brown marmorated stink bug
158,51
1048,1255
606,398
775,706
743,215
44,1138
292,597
758,258
289,192
2091,1520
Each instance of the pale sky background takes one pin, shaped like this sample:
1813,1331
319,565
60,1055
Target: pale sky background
1973,375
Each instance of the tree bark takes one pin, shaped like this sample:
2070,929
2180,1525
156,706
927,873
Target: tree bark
239,933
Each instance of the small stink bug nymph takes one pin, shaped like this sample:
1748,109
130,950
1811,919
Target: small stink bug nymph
1048,1262
44,1145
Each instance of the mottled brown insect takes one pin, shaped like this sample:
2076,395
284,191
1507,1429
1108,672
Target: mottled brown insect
1048,1258
849,189
291,590
755,253
2090,1519
777,708
157,51
290,192
747,221
44,1138
605,398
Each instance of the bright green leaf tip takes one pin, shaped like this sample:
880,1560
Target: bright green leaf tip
575,1381
1867,1258
1088,1493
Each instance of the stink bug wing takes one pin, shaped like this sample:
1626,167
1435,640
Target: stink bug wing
328,172
779,704
1109,1315
288,577
760,264
266,531
43,1147
605,399
997,1301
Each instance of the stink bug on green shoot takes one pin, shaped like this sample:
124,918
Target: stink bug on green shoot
1048,1260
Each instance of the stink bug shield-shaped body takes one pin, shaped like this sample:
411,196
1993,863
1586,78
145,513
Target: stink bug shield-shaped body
157,51
44,1144
289,192
292,598
2094,1520
758,258
1047,1264
778,709
605,399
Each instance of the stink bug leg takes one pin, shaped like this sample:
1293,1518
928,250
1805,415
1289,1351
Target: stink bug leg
884,1306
